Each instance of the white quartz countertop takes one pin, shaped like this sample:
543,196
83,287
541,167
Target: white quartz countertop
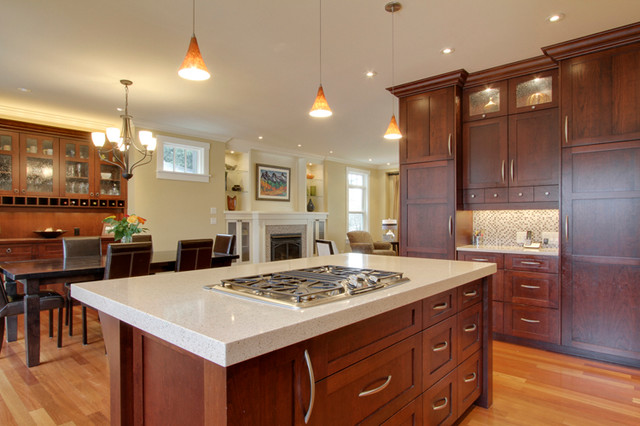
226,330
510,250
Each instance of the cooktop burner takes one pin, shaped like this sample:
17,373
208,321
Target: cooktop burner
300,288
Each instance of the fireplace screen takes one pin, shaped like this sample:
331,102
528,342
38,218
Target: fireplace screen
286,246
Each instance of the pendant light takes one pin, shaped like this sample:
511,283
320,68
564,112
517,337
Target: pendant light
193,67
320,106
393,132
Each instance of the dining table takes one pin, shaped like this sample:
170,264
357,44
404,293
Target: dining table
38,272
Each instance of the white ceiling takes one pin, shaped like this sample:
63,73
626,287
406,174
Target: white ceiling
263,57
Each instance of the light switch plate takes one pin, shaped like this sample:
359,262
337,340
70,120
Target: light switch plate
521,237
214,210
214,220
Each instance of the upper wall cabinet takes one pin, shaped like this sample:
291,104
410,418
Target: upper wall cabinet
487,101
533,92
39,165
9,162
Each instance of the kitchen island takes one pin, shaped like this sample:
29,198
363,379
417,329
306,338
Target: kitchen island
179,352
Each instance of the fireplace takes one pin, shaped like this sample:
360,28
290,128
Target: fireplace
286,246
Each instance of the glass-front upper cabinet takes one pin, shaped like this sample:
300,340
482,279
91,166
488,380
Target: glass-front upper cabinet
532,92
39,165
9,163
78,168
487,101
110,178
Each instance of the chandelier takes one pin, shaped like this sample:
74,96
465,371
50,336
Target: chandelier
122,145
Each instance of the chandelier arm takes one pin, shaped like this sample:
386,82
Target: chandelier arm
118,161
140,162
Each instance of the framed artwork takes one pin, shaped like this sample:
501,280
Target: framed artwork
274,183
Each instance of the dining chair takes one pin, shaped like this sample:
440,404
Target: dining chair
326,247
127,260
139,238
194,254
73,247
225,243
14,305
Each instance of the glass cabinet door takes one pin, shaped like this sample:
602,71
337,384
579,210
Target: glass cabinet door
485,101
9,163
110,178
78,168
533,92
39,165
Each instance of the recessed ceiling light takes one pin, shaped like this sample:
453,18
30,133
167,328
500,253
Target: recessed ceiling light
260,137
371,74
330,152
299,146
232,152
24,89
119,109
447,50
556,17
370,159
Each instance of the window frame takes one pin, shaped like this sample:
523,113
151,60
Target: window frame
365,196
203,163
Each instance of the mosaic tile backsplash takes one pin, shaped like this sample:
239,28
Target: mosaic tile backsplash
499,227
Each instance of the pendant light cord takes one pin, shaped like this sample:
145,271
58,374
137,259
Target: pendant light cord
194,18
393,61
320,31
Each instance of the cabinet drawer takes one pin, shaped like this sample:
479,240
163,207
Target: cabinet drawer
522,194
545,193
497,258
9,252
439,351
50,250
532,322
438,307
469,294
496,195
352,343
438,403
469,323
473,196
532,288
469,378
409,415
531,263
371,390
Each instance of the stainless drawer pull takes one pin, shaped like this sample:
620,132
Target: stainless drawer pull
449,145
9,250
519,194
479,260
495,195
530,320
312,379
470,328
566,129
376,390
502,172
546,193
440,306
439,347
437,407
473,195
529,286
511,170
527,262
470,378
471,293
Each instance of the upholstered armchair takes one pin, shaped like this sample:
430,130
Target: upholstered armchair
361,242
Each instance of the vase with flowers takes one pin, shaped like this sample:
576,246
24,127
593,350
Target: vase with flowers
124,229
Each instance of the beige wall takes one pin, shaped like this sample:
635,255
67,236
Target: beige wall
177,209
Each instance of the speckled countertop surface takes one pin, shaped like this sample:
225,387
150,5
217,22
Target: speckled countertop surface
510,250
227,330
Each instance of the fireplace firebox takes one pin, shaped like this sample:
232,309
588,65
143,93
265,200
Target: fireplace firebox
286,246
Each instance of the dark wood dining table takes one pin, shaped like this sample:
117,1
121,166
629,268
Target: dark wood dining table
35,273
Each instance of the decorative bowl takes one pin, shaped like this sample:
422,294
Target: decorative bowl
50,234
105,176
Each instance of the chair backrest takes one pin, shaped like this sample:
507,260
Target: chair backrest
194,254
362,237
326,247
138,238
127,260
81,246
225,243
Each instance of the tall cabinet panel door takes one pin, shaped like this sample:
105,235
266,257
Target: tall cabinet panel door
601,96
484,153
427,122
9,163
428,210
39,165
601,248
534,148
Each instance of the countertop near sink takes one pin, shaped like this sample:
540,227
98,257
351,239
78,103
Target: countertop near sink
510,250
227,330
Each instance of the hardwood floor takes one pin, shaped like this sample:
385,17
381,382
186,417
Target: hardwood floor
531,387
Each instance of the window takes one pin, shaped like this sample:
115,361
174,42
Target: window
181,159
357,205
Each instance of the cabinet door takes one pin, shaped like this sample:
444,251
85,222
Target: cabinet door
484,154
428,210
485,102
428,125
39,165
601,96
111,184
533,92
534,149
9,163
78,174
440,405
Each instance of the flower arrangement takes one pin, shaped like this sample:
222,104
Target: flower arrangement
124,228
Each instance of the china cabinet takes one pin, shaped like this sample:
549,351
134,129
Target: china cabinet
9,163
39,165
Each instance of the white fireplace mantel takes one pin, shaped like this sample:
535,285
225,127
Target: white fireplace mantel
259,221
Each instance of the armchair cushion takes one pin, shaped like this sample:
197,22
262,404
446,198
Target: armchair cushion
361,242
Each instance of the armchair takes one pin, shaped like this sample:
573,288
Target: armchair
361,242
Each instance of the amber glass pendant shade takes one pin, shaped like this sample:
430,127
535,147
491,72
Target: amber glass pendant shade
193,67
320,107
393,131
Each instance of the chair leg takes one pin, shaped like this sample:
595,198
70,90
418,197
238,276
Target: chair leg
50,322
1,332
67,303
70,313
84,325
60,326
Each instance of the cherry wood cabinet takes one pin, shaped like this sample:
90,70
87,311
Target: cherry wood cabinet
485,151
9,163
39,165
486,101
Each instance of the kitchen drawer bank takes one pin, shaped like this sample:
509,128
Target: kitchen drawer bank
417,350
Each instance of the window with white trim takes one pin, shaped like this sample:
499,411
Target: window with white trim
181,159
357,200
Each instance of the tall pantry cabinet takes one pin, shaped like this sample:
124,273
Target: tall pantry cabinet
430,222
600,208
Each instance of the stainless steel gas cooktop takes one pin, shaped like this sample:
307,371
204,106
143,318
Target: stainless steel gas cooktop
300,288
